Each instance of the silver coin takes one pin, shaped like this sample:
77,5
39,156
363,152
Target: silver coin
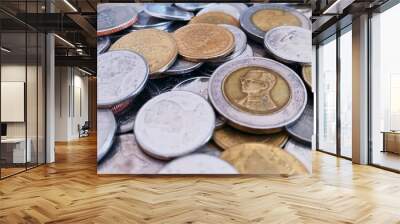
301,152
103,43
248,52
198,164
121,75
106,128
303,128
221,7
258,111
241,7
126,157
112,18
182,66
167,12
147,21
210,149
173,124
192,6
289,44
246,21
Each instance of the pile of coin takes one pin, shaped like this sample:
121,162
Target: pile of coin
204,88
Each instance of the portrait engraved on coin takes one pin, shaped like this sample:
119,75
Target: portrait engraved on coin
256,90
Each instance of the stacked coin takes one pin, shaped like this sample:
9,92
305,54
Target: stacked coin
203,88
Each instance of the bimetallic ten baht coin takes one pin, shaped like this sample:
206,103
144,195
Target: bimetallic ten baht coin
126,157
173,124
257,94
200,42
261,158
303,128
146,21
112,18
192,6
221,7
215,18
107,127
121,75
103,43
228,137
301,152
167,12
198,164
259,19
307,74
289,44
157,47
240,43
182,66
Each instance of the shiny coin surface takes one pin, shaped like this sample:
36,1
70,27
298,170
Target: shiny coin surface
103,43
173,124
157,47
240,43
259,158
126,157
167,12
259,19
105,123
289,44
303,128
121,75
301,152
215,18
228,137
198,164
210,149
197,42
221,7
112,18
146,21
257,94
182,66
191,6
307,74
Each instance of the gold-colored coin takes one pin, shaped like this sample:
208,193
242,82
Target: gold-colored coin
261,158
307,75
215,18
256,90
228,137
200,42
267,19
157,47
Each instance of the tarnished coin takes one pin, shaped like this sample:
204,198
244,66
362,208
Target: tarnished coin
301,152
198,164
167,12
126,157
228,137
240,43
257,94
107,127
121,75
289,44
215,18
199,85
307,74
199,42
192,6
261,158
173,124
112,18
259,19
303,128
210,149
103,43
181,66
146,21
157,47
221,7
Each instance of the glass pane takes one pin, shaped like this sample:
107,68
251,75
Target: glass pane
385,84
327,97
41,98
346,94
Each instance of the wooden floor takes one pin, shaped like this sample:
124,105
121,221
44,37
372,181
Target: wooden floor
69,191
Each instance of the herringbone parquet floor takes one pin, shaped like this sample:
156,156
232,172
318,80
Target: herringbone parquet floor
69,191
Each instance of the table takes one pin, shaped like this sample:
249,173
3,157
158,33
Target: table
17,150
391,141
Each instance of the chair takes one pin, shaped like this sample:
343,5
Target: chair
84,130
